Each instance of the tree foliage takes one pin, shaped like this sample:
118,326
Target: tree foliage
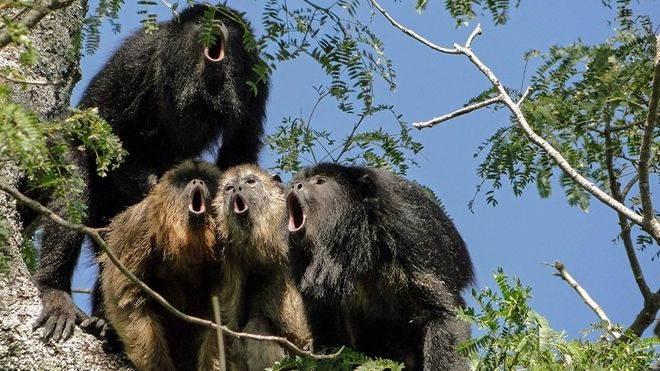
515,337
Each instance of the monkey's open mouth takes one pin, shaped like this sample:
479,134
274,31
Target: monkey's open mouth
240,206
197,205
216,53
296,214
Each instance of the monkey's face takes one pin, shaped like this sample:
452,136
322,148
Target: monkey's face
329,226
250,205
182,219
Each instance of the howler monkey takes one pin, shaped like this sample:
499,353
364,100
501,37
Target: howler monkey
257,294
379,265
168,98
168,240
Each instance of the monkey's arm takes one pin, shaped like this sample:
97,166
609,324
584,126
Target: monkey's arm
242,145
58,255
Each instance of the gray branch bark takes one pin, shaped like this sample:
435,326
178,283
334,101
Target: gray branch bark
20,347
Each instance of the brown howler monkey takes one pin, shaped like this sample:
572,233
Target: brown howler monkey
168,241
257,294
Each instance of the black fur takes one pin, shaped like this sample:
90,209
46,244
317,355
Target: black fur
167,102
379,265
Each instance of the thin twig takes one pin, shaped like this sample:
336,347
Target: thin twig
96,237
473,107
563,273
221,343
82,291
30,82
525,95
646,149
34,16
412,33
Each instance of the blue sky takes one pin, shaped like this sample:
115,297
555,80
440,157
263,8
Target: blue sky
521,234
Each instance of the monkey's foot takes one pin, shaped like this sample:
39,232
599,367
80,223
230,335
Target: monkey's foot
58,315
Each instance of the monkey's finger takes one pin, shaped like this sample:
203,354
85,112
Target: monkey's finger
59,329
40,321
68,328
86,322
49,328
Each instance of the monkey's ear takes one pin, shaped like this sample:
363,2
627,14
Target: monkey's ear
366,186
276,178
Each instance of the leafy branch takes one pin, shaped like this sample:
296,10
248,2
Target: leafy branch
572,177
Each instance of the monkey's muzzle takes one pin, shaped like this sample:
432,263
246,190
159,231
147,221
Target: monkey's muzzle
216,52
296,213
197,205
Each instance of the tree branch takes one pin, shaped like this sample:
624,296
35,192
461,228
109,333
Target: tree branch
563,273
623,222
473,107
34,16
590,187
96,237
30,82
647,147
412,33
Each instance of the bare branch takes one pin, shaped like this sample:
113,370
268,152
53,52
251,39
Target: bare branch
473,107
563,273
647,315
30,82
82,291
628,187
412,33
96,237
476,32
34,16
525,95
646,149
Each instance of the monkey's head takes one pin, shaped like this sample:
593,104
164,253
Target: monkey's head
250,206
331,227
215,76
183,223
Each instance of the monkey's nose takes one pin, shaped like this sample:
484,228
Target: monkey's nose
198,182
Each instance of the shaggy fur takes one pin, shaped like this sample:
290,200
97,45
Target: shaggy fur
167,101
379,265
168,241
257,294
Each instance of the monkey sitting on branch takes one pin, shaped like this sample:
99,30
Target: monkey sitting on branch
256,293
168,241
379,265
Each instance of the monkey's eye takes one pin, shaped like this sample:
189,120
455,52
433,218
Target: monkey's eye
229,188
319,180
250,181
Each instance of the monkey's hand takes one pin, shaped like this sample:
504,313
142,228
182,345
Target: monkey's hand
58,315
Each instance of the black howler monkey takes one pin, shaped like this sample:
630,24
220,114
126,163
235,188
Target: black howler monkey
168,98
379,265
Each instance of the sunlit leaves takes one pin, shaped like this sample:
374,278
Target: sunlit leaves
516,337
44,149
348,360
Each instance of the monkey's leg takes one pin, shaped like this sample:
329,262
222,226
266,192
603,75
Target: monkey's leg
208,357
440,339
144,341
260,354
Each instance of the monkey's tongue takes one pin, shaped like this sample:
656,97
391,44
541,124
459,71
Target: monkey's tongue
216,53
296,214
197,205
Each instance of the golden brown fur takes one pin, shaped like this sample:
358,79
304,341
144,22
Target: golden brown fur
256,292
174,251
